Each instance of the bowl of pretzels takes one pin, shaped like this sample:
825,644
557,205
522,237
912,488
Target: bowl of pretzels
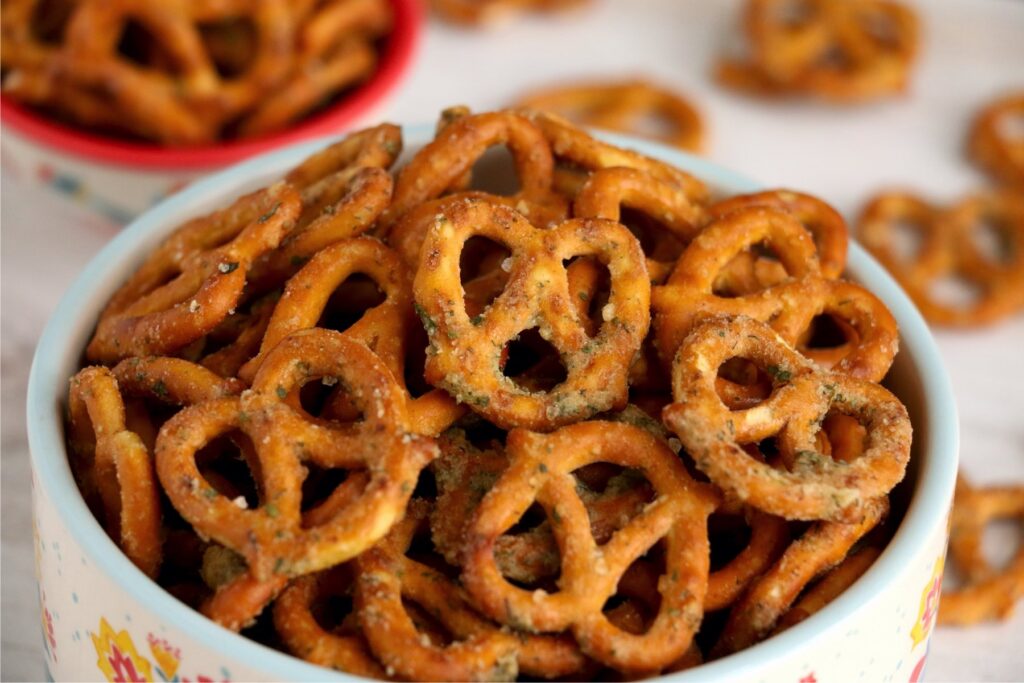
395,405
118,104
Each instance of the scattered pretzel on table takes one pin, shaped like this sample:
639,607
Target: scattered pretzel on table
950,247
625,107
483,12
838,50
996,139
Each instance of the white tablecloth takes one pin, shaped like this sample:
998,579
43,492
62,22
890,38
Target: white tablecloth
972,50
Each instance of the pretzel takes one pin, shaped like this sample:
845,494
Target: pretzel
621,106
992,142
607,191
383,329
444,163
478,12
465,354
819,549
464,474
987,594
194,279
827,228
791,305
590,573
948,249
814,486
581,152
304,636
829,587
833,49
272,538
378,146
768,537
120,466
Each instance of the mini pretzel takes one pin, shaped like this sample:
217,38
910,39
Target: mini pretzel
824,223
304,636
994,145
466,355
540,470
607,191
619,105
377,147
838,50
573,146
768,538
464,474
382,329
820,548
791,304
272,538
987,594
476,12
442,165
948,249
194,279
815,486
121,469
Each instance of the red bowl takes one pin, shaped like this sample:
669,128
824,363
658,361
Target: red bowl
397,54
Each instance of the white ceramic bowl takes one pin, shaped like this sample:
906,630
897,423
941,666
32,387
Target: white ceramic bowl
103,618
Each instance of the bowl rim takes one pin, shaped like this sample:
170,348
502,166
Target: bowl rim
395,63
927,510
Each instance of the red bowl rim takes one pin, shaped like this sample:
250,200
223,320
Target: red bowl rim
394,63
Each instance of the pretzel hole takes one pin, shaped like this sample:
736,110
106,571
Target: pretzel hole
49,19
527,554
730,535
427,625
230,44
484,266
955,292
906,238
533,363
495,173
826,332
742,383
139,45
655,239
993,239
223,464
319,484
355,296
636,600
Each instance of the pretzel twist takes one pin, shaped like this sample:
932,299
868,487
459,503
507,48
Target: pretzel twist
465,354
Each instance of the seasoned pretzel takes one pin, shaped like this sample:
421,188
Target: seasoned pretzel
273,539
194,279
382,329
815,486
465,354
573,146
607,191
791,304
376,147
987,594
824,223
620,105
477,12
995,144
820,548
443,163
590,573
768,538
119,467
386,578
834,49
304,637
948,250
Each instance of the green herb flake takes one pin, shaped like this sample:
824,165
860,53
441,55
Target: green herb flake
271,510
159,388
269,214
780,373
281,392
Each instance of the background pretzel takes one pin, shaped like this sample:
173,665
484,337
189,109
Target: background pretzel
991,143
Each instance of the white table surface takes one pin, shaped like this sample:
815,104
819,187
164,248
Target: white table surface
972,50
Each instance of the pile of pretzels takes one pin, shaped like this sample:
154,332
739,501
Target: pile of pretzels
607,423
